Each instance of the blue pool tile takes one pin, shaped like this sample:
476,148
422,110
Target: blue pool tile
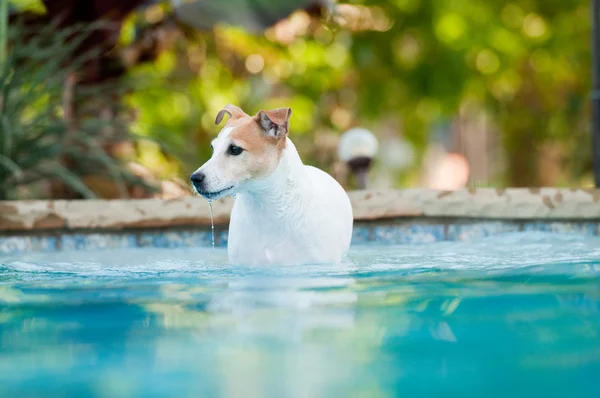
561,227
20,244
175,239
14,244
222,238
44,243
408,234
97,241
383,234
360,235
480,230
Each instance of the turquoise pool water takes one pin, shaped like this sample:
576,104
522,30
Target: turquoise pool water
513,315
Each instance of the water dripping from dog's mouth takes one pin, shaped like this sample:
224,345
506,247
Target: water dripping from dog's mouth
212,223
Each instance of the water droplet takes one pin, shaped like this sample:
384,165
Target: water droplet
212,224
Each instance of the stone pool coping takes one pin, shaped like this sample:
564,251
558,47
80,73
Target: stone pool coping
411,216
544,204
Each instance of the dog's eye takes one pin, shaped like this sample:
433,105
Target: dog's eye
235,150
212,148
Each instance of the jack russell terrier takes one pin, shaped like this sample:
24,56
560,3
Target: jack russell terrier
285,213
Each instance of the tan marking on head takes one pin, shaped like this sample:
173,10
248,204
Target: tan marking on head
262,151
263,139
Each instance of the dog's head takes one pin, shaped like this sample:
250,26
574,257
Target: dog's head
248,148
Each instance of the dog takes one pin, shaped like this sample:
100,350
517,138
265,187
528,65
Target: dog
285,212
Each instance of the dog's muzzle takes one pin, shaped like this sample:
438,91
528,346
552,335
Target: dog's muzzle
198,180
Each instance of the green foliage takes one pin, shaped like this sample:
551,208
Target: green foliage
525,63
37,143
409,64
35,6
3,31
414,63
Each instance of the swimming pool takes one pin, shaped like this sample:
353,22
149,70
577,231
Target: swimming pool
510,315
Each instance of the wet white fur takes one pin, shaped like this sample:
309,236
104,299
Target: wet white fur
296,215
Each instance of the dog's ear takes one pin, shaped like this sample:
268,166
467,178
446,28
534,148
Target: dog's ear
233,111
275,123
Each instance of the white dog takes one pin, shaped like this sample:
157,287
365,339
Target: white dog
285,213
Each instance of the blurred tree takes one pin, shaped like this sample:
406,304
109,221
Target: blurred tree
409,64
42,153
523,63
100,74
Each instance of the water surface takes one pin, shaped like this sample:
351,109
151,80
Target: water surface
514,315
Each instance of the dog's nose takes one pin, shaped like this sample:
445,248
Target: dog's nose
197,178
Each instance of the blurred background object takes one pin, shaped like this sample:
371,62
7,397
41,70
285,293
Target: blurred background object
254,16
462,93
357,148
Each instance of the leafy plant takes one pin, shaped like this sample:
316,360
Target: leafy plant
404,67
42,142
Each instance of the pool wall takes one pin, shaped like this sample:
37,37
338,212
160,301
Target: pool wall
383,216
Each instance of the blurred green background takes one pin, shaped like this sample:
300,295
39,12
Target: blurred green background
459,92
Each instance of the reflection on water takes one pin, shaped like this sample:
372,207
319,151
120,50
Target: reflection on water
513,315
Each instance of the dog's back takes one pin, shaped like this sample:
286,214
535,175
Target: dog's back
332,206
312,225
